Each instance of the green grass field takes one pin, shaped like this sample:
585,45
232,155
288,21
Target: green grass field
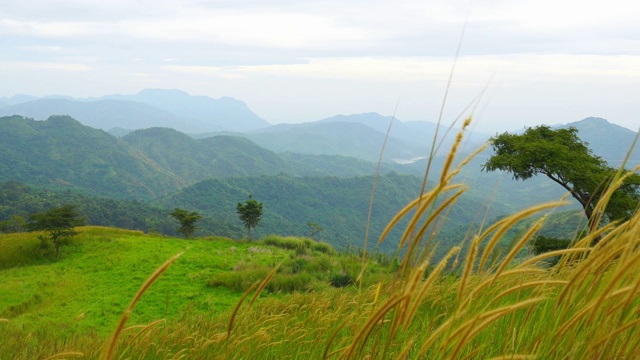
101,269
292,298
587,307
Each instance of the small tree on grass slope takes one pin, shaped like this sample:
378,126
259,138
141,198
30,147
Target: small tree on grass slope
250,213
59,223
187,221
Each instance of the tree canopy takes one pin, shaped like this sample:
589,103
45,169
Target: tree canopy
187,221
58,222
250,213
564,158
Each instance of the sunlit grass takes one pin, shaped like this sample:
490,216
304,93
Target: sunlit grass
485,304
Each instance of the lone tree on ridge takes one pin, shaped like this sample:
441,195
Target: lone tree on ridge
250,213
561,156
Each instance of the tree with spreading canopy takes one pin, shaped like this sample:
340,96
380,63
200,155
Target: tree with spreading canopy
314,229
58,222
564,158
187,221
250,213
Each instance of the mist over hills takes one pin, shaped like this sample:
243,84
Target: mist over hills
359,135
300,170
99,114
148,108
223,114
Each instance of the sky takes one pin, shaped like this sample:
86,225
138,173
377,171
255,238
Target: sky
520,63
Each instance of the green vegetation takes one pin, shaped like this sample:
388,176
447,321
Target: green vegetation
15,223
297,298
59,223
561,156
60,152
187,221
19,201
452,290
250,213
314,229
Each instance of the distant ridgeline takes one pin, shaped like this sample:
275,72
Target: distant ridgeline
157,169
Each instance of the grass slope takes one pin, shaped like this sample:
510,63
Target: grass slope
101,269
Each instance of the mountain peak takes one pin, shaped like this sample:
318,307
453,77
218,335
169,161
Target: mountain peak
593,120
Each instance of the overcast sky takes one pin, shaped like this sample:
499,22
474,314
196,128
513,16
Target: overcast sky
291,61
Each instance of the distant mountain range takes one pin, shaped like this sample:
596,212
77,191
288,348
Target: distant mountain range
360,135
176,169
148,108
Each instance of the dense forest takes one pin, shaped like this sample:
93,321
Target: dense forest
134,182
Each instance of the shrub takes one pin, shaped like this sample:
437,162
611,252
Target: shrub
341,280
322,247
288,283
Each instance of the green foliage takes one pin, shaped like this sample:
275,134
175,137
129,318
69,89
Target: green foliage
59,223
544,244
15,224
187,221
310,266
250,213
61,152
85,290
314,229
341,280
561,156
17,199
298,244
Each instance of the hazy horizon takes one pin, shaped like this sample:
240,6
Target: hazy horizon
541,61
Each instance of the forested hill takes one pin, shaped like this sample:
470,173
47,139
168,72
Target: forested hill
195,160
339,205
61,152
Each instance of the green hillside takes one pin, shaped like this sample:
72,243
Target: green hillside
60,152
85,290
20,200
339,205
196,160
340,138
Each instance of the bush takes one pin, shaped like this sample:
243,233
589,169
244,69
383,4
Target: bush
322,247
341,280
300,245
239,281
288,283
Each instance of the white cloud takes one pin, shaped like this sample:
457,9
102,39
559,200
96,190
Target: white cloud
35,66
476,70
329,55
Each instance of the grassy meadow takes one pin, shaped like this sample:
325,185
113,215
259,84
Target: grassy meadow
291,298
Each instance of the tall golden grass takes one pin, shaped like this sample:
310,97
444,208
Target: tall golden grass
586,307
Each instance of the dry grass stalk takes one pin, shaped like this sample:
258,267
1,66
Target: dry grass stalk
110,348
65,355
468,268
504,225
514,251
